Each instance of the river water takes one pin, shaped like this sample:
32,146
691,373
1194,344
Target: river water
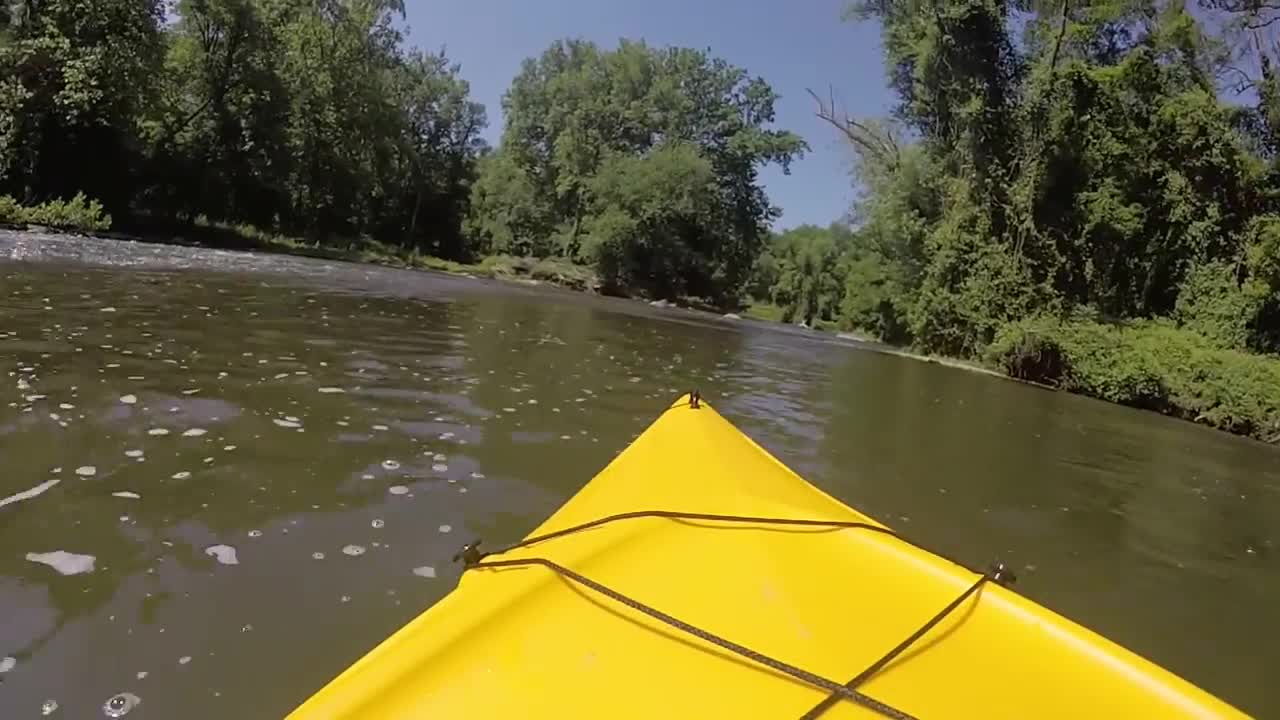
338,431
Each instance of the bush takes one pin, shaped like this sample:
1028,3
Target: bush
1150,364
78,213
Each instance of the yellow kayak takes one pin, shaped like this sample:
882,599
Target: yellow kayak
697,576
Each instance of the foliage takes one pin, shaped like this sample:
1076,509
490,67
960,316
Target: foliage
804,269
640,161
309,118
1066,157
78,213
1151,364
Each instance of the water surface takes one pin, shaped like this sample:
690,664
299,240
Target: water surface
269,461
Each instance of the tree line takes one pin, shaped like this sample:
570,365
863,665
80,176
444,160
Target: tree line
1102,160
315,119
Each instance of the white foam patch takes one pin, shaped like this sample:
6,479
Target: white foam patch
127,494
224,554
353,550
286,423
128,399
331,390
7,663
133,453
391,464
64,562
86,471
181,475
398,490
440,468
158,431
425,571
28,494
446,528
194,432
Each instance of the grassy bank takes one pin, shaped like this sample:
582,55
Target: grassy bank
1150,364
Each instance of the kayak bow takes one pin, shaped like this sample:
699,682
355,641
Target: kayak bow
697,576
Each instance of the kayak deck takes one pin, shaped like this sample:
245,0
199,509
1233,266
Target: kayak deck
528,642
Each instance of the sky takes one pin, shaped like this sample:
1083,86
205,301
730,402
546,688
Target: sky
792,44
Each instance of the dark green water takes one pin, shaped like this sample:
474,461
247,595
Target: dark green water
487,405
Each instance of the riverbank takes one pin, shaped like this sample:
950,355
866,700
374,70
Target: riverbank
1151,366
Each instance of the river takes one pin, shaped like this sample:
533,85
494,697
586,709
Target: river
338,431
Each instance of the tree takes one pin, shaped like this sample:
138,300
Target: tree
76,78
1086,165
590,133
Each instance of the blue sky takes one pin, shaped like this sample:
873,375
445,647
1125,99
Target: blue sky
793,44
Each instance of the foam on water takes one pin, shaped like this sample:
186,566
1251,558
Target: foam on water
64,562
224,554
28,494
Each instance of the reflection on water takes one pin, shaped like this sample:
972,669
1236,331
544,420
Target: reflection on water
269,464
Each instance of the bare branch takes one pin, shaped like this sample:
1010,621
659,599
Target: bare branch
1266,23
884,149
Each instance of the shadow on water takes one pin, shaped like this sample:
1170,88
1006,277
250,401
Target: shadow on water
362,423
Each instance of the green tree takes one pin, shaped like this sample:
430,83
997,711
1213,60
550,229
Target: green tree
75,79
590,133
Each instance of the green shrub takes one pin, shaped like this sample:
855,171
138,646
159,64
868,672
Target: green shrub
78,213
1149,364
